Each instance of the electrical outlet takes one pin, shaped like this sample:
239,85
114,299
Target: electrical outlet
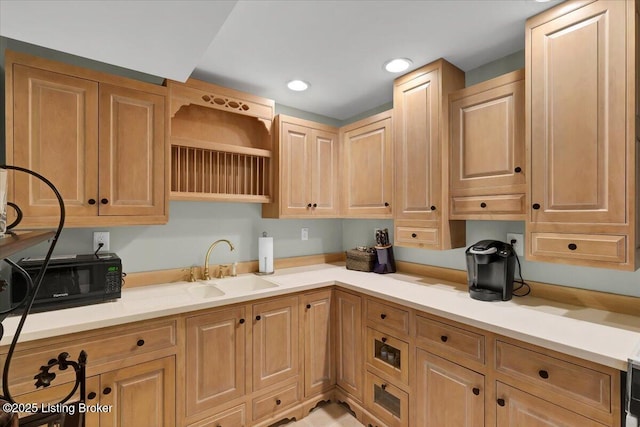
518,246
304,234
101,237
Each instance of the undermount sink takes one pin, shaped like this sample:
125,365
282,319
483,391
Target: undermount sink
242,284
205,291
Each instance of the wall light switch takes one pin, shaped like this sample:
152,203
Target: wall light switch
304,234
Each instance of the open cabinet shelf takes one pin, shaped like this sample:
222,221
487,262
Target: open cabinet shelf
17,241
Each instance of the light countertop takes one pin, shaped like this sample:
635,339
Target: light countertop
596,335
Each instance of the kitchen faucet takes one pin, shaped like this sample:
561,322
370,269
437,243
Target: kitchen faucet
205,273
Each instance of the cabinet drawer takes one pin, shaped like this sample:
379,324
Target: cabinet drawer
417,235
502,204
386,401
449,339
387,316
234,417
596,247
574,381
275,401
119,343
388,354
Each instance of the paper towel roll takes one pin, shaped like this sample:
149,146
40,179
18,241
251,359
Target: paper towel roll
265,254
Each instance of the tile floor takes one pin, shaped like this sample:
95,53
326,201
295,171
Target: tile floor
330,415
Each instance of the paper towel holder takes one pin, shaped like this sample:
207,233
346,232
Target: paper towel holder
259,273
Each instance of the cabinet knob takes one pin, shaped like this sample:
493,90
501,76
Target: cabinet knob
278,401
543,374
308,306
106,390
91,395
501,402
483,205
536,206
433,208
104,201
258,317
383,316
414,235
476,391
241,321
92,201
309,205
384,339
383,386
444,338
518,169
573,246
315,205
140,343
386,203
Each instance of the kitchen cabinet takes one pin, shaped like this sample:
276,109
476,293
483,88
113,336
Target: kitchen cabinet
319,356
349,343
581,137
99,138
447,394
306,170
367,167
487,150
421,158
386,401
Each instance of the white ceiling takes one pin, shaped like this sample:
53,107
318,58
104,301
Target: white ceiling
257,46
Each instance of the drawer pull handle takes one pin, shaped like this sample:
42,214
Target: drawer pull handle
258,317
543,374
483,205
383,316
386,204
536,206
104,201
433,208
308,306
309,205
384,339
383,386
414,235
501,402
476,391
572,246
518,169
91,395
315,205
278,401
444,338
106,390
241,321
140,343
92,201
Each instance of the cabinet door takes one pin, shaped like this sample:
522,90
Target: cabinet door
368,171
215,359
516,408
295,159
140,396
487,140
275,342
132,152
319,362
418,155
349,344
578,117
324,173
55,129
447,394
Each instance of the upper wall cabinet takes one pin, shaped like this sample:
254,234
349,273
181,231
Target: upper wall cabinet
582,135
100,139
367,167
305,170
220,143
421,117
487,149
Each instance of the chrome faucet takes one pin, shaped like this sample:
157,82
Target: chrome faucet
205,273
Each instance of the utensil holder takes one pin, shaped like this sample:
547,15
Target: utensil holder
385,262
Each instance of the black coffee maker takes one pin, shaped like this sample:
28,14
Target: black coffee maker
490,270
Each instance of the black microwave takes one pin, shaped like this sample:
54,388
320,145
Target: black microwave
69,281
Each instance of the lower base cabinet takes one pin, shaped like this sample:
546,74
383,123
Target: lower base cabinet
234,417
386,401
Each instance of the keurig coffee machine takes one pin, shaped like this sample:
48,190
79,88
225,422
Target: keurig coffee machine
490,270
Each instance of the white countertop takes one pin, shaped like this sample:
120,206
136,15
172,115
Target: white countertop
596,335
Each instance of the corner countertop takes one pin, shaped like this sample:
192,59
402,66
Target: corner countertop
600,336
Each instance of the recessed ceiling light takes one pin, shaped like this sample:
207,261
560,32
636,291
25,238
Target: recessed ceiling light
397,65
298,85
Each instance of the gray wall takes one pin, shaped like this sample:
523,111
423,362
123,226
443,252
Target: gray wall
194,225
